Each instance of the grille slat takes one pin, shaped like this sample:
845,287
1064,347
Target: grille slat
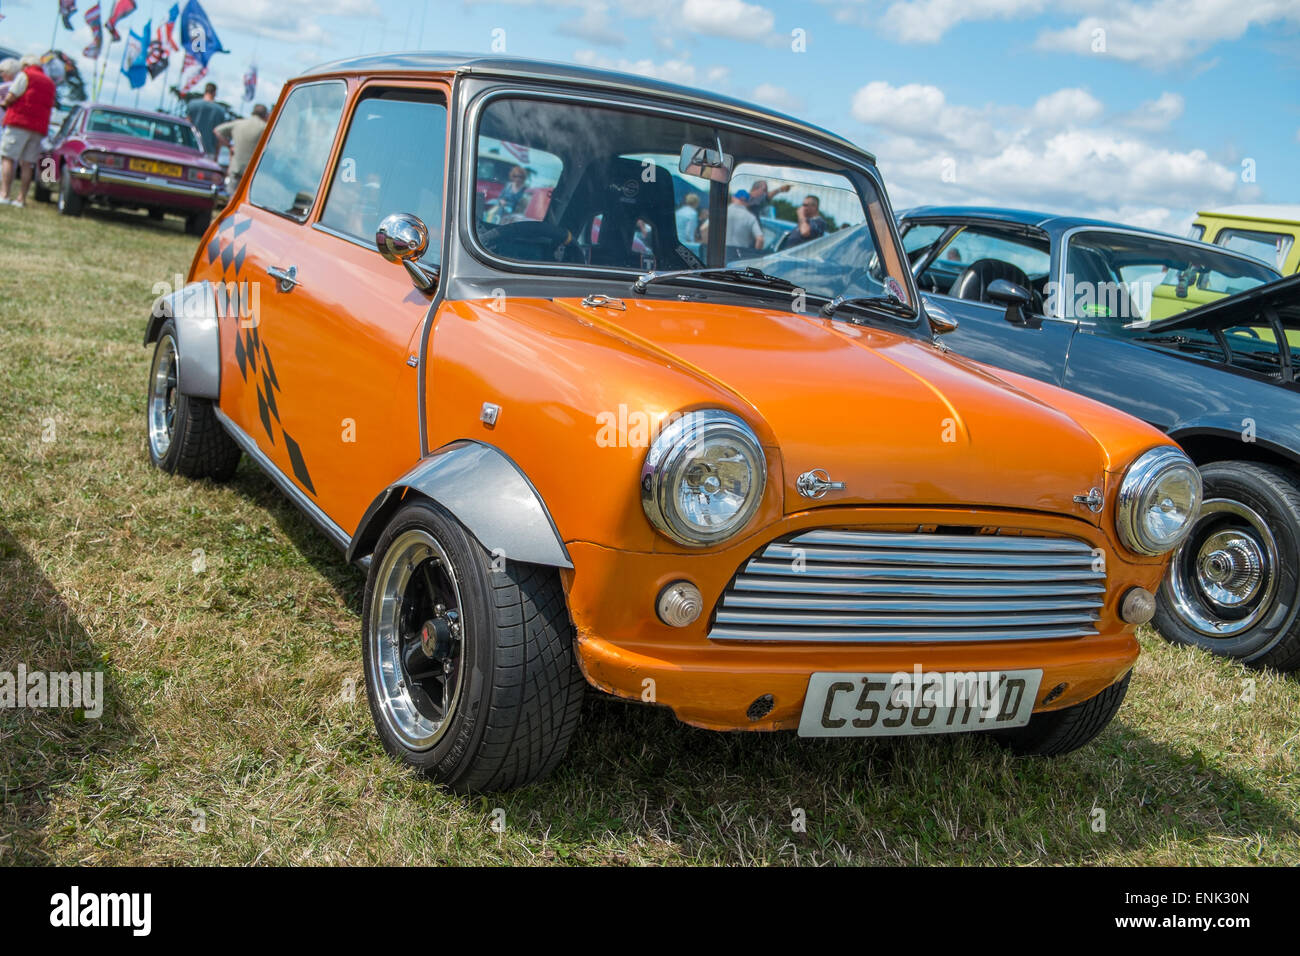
861,586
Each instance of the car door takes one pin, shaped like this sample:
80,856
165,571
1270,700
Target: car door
335,401
1037,349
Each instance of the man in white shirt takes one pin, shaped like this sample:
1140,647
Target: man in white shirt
744,234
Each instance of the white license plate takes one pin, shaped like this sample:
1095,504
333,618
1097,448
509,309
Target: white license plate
936,702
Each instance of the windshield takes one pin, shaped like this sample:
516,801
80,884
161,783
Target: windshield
585,185
159,129
1121,278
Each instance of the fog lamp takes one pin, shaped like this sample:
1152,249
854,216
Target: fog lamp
679,604
1138,606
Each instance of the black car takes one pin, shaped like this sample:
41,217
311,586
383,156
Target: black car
1197,340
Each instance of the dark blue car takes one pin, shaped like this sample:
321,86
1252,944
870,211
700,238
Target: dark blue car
1199,341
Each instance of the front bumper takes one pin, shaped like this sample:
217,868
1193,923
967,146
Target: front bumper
625,650
128,187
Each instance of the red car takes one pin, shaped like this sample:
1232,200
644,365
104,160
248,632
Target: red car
129,158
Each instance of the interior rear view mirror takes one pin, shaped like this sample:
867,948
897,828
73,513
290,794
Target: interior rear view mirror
711,164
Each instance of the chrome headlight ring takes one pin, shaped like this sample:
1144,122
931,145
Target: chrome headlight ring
1158,501
703,477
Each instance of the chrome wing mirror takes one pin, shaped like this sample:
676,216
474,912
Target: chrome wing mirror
403,237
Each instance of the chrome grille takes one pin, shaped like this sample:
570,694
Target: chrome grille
865,586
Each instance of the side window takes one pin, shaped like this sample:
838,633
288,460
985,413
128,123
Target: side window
289,172
392,161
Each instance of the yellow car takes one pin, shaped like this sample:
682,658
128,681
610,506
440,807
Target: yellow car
1270,233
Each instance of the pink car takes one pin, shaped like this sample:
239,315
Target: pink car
130,158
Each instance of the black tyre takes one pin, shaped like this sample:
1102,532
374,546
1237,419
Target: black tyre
196,223
1061,731
70,204
469,665
41,192
156,214
1233,587
184,435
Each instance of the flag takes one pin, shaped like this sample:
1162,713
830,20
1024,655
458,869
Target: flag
66,9
134,58
250,84
97,33
197,35
172,14
156,60
518,152
189,63
121,10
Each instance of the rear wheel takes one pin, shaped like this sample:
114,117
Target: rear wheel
196,223
1061,731
70,204
469,664
184,435
1233,587
41,191
155,214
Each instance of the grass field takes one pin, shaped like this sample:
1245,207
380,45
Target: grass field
230,735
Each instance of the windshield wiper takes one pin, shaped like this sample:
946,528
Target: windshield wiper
746,276
886,303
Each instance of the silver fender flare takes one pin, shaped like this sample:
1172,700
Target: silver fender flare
486,492
193,309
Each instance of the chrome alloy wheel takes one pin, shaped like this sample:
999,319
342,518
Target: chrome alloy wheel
162,397
414,639
1223,577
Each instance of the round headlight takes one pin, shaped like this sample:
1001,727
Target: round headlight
703,477
1158,501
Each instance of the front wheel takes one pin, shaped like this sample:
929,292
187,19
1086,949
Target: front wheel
1061,731
184,435
469,660
1233,586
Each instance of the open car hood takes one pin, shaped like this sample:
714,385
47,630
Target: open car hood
1283,296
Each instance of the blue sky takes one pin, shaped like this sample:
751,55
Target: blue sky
1144,112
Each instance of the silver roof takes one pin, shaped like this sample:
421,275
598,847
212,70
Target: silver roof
548,71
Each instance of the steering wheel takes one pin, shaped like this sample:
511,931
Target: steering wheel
548,239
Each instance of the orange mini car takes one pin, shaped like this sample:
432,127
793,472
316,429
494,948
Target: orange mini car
579,439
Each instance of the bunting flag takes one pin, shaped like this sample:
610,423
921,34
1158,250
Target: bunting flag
96,32
121,10
135,58
189,63
250,84
66,9
197,36
170,27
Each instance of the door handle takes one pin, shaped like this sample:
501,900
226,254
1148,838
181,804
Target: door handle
286,279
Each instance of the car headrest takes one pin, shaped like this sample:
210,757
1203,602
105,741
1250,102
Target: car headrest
975,280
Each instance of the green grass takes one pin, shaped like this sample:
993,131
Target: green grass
228,689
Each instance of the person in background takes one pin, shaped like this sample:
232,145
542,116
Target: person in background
811,224
241,136
760,200
27,105
205,114
744,234
513,198
688,218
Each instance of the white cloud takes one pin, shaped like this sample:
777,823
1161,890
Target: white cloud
777,98
1061,154
727,18
926,21
1157,114
1068,107
673,71
1166,31
594,25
